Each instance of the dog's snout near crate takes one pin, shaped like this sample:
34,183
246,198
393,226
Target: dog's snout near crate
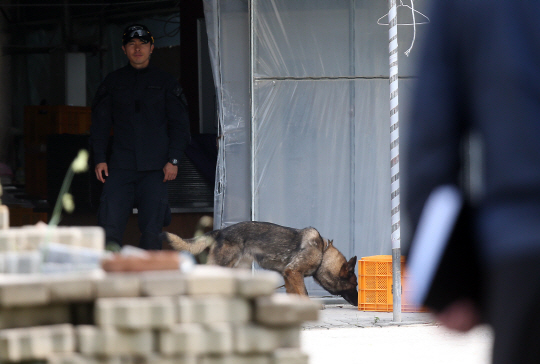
375,285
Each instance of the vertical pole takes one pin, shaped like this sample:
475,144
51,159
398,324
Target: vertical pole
352,113
252,105
252,115
394,160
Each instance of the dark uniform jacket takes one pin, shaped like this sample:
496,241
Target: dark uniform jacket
481,72
149,119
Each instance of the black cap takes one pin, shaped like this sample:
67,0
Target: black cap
137,31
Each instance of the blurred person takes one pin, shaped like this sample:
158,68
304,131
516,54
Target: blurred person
144,107
480,73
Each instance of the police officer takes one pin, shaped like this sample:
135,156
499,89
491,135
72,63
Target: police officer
143,106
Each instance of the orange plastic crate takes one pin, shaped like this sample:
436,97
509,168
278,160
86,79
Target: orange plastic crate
375,285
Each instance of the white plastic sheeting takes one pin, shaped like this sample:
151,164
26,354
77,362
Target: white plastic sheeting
318,121
227,25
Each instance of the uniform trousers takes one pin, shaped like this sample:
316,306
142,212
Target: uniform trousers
513,301
125,189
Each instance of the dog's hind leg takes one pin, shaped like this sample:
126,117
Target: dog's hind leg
294,282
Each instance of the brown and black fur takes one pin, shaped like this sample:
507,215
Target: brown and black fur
294,253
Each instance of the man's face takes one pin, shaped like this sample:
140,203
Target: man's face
138,52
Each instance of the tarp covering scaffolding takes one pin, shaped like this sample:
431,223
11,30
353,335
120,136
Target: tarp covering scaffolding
304,116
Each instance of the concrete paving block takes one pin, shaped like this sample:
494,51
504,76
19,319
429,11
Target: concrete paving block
23,293
239,310
236,359
72,358
34,343
4,217
79,258
259,283
76,358
211,280
117,359
163,283
187,311
252,359
285,310
219,338
122,359
289,336
85,359
87,339
118,285
92,237
136,312
109,341
22,262
255,339
68,235
209,309
182,339
104,311
220,359
34,237
162,312
141,342
23,344
8,239
67,289
130,313
289,356
14,317
62,337
161,359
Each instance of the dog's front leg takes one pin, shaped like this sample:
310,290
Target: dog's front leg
294,282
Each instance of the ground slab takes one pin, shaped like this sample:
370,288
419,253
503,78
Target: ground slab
344,334
344,315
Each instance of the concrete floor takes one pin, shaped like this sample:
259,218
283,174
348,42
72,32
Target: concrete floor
344,334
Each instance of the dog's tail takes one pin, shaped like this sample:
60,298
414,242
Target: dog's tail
194,246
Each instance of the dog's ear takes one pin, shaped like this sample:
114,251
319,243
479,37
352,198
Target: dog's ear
352,263
344,271
353,280
330,243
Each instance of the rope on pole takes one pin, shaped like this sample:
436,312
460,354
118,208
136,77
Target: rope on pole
394,159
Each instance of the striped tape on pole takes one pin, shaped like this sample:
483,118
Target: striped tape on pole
394,124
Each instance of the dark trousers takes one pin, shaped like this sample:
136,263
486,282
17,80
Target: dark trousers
513,301
123,190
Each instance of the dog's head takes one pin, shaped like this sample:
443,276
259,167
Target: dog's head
347,273
337,275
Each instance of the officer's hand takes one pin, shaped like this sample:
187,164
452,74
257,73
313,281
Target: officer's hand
461,315
170,172
100,168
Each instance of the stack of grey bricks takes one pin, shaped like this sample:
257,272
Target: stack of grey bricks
210,315
44,249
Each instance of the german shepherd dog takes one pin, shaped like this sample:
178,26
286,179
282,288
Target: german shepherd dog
294,253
